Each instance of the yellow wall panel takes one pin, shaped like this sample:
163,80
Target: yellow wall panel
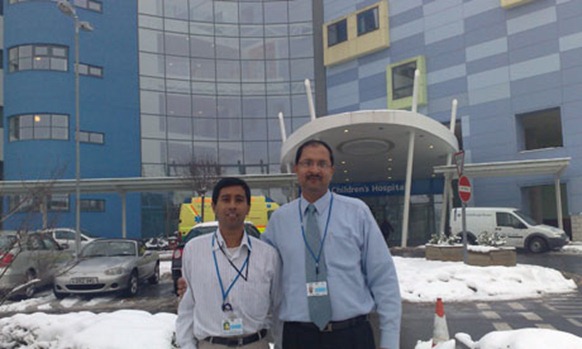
512,3
356,46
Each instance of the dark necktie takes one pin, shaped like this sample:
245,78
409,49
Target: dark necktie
319,306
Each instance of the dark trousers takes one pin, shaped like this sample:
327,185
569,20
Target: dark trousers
297,336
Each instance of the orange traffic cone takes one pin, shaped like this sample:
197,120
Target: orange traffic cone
440,331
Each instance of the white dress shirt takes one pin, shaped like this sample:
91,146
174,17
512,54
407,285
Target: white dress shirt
254,300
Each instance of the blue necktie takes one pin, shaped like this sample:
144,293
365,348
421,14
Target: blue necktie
319,306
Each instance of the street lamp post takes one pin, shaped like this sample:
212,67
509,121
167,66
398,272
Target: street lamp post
66,8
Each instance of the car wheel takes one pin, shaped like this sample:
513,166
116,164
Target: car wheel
537,245
154,279
132,285
30,290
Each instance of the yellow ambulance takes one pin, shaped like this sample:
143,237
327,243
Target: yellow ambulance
191,214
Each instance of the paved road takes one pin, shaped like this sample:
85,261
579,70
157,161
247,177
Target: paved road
562,312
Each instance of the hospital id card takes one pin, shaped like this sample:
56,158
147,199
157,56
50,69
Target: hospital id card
232,327
316,289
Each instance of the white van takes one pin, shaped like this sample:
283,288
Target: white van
520,230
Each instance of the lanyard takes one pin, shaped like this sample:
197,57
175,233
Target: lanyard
227,306
318,257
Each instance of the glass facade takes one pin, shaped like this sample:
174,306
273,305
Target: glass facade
214,76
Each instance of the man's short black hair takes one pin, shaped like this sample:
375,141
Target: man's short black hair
313,142
230,182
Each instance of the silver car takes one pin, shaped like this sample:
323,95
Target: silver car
109,265
28,261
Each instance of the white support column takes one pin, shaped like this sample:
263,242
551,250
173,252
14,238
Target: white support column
448,178
310,99
123,214
559,200
282,127
445,204
407,188
415,91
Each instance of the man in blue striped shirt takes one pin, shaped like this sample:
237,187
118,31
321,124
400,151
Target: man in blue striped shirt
361,276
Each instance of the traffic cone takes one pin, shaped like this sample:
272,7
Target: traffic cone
440,331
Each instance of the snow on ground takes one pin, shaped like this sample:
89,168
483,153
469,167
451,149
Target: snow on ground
420,281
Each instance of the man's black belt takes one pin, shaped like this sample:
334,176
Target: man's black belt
237,341
334,325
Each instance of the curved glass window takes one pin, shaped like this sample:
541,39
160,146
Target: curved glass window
38,57
39,126
216,74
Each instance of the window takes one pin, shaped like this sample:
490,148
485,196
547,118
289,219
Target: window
92,205
337,32
90,70
540,129
38,57
368,21
400,83
30,203
505,219
58,202
403,80
39,126
92,137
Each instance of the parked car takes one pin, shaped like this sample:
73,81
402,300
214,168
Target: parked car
197,230
66,237
109,265
519,230
28,261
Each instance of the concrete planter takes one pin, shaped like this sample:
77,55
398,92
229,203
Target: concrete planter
476,255
483,256
453,253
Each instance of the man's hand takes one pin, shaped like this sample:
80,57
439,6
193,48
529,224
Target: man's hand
182,286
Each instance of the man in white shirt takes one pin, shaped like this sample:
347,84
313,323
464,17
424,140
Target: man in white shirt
232,280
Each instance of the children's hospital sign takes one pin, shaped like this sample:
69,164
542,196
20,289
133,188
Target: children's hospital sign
387,188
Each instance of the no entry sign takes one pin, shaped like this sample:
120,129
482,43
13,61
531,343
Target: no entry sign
464,189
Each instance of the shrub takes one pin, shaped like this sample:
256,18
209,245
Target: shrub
491,239
442,239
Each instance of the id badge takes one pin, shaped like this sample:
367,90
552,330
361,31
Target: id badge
232,327
315,289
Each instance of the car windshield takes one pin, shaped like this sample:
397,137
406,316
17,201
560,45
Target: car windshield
109,249
89,234
525,217
197,231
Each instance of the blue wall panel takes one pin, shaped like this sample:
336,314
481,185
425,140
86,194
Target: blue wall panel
108,105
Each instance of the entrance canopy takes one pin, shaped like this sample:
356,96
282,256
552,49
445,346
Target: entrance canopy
513,168
509,168
373,145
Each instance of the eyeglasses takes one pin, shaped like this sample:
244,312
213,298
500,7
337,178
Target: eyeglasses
323,165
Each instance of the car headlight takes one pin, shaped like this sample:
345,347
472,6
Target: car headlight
114,271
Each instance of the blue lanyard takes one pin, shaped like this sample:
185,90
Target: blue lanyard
239,272
318,257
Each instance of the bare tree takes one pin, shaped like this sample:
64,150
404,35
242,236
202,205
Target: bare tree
201,173
31,201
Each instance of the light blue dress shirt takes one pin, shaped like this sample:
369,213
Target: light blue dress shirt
360,271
